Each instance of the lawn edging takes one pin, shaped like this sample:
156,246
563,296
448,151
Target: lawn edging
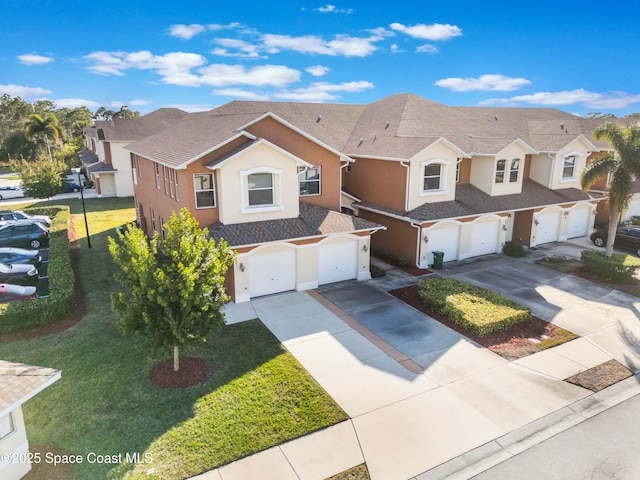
61,299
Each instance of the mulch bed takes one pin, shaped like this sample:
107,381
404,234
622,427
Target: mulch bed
411,270
601,376
511,344
359,472
193,371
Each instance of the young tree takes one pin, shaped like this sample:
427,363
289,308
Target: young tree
173,287
41,178
622,165
46,128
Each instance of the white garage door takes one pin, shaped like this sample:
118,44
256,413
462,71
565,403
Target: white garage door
272,272
337,261
444,240
579,219
548,228
485,237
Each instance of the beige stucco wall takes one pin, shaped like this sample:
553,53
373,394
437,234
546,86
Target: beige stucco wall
232,185
438,152
15,443
581,150
483,171
540,170
122,163
107,185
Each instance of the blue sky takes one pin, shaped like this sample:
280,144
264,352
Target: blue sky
578,56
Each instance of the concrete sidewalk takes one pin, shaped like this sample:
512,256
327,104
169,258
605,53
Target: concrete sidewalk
425,402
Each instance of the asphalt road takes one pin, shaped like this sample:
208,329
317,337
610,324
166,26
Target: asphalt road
605,447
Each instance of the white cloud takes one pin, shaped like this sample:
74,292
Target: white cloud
494,82
139,102
610,100
22,91
333,9
175,67
222,75
31,59
436,31
427,48
342,45
317,70
186,31
228,26
239,93
323,92
75,103
246,49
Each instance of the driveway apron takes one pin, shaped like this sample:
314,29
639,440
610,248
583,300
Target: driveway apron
408,423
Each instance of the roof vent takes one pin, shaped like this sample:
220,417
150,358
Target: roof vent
386,125
562,126
496,117
319,119
360,142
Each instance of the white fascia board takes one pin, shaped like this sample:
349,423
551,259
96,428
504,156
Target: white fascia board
262,141
523,144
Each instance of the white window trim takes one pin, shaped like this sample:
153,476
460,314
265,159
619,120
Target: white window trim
504,172
277,190
305,169
574,177
195,196
520,164
157,170
443,177
7,420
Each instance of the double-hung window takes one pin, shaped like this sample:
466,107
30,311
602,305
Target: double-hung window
6,426
309,180
501,167
515,168
432,177
204,190
260,187
569,167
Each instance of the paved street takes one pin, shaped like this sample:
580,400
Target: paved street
425,402
605,447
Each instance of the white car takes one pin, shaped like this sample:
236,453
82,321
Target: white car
13,215
11,192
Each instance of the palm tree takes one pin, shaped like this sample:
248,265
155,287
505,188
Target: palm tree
622,165
46,128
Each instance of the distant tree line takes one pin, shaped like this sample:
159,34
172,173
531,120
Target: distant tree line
39,130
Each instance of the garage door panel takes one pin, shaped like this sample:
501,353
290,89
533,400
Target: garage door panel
444,240
579,219
337,262
548,229
272,272
485,238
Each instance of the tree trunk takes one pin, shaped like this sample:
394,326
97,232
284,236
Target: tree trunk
176,359
46,142
614,219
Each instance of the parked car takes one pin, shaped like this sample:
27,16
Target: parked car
14,293
24,235
10,192
11,255
627,238
18,274
9,215
70,187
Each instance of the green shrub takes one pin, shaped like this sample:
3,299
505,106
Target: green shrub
635,220
618,267
478,310
514,249
377,272
61,298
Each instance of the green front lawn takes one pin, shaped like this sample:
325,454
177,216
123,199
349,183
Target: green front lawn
257,396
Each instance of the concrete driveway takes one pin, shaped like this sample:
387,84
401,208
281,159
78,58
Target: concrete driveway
360,344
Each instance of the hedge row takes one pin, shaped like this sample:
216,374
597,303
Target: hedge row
618,267
478,310
61,300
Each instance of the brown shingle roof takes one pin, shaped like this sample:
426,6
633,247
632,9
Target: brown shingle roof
397,127
313,221
471,201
